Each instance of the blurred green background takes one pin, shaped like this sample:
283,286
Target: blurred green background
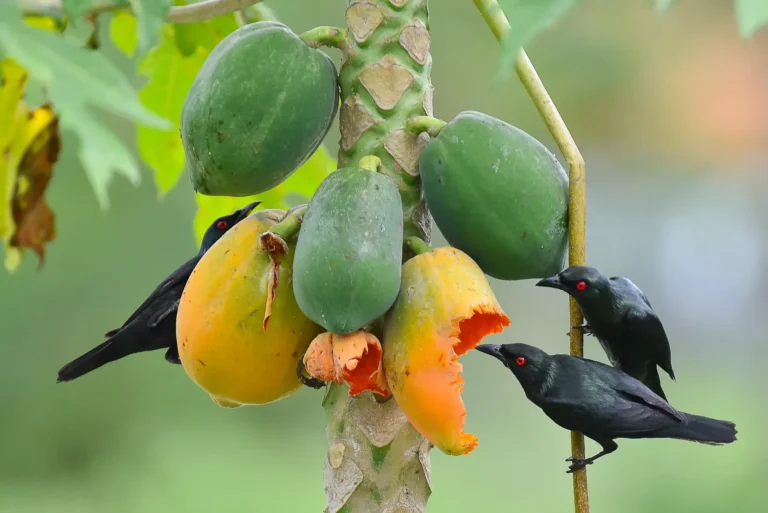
671,113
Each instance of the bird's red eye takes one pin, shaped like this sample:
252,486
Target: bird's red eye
222,225
520,361
582,285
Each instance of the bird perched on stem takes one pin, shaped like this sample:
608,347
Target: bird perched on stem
153,325
601,402
620,316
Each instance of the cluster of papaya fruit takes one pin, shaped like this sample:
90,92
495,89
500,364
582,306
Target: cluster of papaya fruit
321,293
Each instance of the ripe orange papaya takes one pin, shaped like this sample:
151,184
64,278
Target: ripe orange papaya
444,309
225,344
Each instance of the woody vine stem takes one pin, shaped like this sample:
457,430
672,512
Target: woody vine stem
577,204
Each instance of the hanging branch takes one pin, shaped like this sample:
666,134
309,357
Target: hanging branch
499,25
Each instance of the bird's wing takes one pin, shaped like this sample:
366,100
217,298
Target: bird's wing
645,328
608,403
631,389
157,299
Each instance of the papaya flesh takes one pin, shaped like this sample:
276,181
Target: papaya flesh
259,107
444,309
498,194
223,344
349,254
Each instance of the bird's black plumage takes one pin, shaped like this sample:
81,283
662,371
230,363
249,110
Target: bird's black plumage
153,325
602,402
621,317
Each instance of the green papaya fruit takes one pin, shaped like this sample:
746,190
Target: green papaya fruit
499,195
346,272
259,107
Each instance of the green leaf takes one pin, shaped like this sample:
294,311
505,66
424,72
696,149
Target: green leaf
663,5
527,18
150,15
752,15
77,8
122,30
297,189
170,76
75,80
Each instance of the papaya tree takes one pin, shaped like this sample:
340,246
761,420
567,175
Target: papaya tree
340,291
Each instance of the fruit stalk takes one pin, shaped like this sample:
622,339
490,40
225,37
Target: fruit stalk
499,25
376,460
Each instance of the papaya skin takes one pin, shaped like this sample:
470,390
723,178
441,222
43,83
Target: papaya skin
223,345
514,188
445,308
259,107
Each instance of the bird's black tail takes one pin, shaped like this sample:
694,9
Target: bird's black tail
703,430
652,380
108,351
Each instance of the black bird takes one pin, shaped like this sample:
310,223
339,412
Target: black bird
153,325
601,402
620,316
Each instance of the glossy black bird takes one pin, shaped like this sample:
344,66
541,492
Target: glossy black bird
601,402
620,316
153,325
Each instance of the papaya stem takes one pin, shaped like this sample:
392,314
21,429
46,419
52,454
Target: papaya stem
324,36
369,162
428,124
253,14
497,21
274,239
417,245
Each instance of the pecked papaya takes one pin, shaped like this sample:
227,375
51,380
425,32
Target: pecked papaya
499,195
445,308
225,344
259,107
349,254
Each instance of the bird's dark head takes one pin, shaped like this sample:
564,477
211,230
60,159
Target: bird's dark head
581,282
223,224
527,363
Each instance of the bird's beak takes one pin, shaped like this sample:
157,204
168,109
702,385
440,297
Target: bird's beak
246,210
553,282
492,350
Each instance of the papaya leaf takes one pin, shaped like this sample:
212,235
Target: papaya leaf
30,149
150,15
527,18
122,30
170,77
78,8
752,15
75,80
297,189
15,119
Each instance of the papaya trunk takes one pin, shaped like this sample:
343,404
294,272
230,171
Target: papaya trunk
377,462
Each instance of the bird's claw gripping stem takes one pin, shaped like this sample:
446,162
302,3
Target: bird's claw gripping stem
585,327
577,464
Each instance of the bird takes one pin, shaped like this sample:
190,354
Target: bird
619,314
153,325
601,402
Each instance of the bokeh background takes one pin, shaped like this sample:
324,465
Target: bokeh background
671,113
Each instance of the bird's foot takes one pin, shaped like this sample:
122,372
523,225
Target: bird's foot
577,464
585,328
